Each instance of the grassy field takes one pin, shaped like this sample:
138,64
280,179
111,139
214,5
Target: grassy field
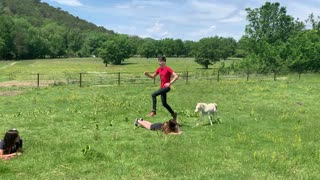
269,128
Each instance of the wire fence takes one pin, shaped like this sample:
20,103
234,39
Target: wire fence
122,78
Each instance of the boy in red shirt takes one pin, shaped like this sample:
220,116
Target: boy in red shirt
165,73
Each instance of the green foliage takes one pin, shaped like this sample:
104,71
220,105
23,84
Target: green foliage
267,33
249,64
148,48
210,50
270,23
315,23
115,50
6,36
43,32
304,52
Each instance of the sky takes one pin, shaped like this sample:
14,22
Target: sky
177,19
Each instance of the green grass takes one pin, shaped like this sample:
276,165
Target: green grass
269,130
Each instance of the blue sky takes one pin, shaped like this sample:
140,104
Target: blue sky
183,19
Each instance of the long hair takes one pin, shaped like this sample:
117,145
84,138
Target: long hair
170,126
10,139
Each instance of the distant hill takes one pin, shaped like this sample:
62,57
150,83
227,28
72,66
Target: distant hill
32,29
37,13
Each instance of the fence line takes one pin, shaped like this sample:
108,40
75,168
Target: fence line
120,78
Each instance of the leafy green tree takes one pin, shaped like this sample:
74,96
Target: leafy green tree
168,47
248,64
6,37
268,29
209,50
179,49
270,60
148,49
270,23
243,47
73,39
37,44
21,36
54,34
315,23
116,50
93,41
134,42
304,54
228,47
189,48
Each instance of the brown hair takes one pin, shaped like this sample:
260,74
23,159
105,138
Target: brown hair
162,58
170,126
10,139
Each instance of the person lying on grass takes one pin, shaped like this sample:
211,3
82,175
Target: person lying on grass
169,127
11,145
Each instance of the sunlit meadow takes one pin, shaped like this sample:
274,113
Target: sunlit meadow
268,130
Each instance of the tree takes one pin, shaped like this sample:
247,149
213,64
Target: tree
268,30
243,47
179,47
93,41
209,50
270,23
270,60
314,23
148,49
228,47
54,35
249,64
116,50
20,38
37,44
189,48
168,47
6,37
135,42
303,50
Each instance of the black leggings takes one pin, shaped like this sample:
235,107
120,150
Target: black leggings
163,92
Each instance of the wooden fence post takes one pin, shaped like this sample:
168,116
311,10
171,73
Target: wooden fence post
38,80
218,75
187,77
118,78
80,80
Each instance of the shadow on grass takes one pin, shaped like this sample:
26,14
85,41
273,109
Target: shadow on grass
202,68
126,63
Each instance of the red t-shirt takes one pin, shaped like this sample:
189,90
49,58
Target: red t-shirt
165,75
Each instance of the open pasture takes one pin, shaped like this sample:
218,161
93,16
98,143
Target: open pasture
269,129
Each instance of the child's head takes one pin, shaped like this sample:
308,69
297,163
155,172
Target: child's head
162,61
11,137
162,58
170,126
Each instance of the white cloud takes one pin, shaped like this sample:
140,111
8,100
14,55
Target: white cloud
210,11
69,2
184,19
239,17
157,30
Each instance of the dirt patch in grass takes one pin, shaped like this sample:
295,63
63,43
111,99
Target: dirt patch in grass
10,93
24,83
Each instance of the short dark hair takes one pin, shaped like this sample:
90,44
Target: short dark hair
162,58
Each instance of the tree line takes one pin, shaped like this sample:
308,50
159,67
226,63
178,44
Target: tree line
276,42
273,41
